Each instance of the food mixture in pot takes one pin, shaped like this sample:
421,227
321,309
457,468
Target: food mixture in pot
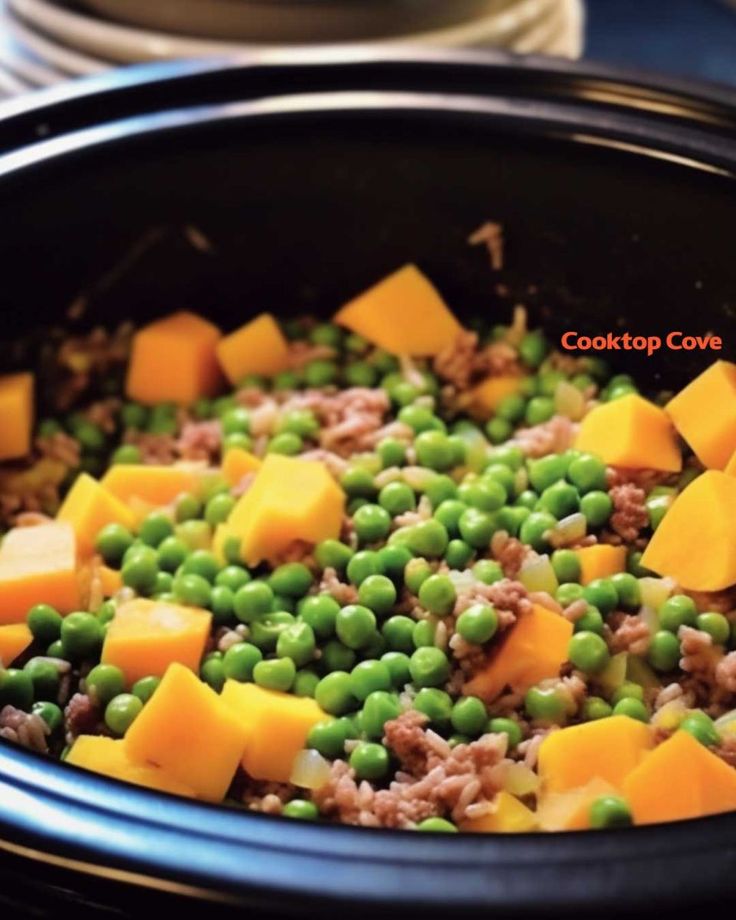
388,570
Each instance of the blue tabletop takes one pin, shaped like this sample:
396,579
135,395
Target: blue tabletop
684,37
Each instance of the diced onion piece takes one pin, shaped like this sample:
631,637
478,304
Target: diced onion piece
537,574
726,724
670,715
521,480
418,477
614,673
462,580
569,529
521,780
655,591
310,770
569,401
650,617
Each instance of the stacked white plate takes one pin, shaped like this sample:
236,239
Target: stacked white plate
43,42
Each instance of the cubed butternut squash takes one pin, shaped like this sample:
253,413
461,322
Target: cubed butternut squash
696,541
174,360
88,507
570,810
155,485
510,816
483,400
404,314
705,414
237,463
16,415
187,731
14,640
277,726
631,432
38,565
290,499
111,580
606,748
680,779
600,561
258,347
109,757
532,650
146,636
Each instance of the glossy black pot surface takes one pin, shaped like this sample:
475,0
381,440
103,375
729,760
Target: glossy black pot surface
261,185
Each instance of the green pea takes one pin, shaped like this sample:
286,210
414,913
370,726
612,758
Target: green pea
477,528
509,455
448,513
300,810
601,594
218,509
428,539
55,649
360,374
133,415
45,677
396,498
265,632
469,716
533,349
437,595
588,652
333,554
320,612
121,712
201,562
16,689
275,674
305,683
545,704
398,631
596,708
568,592
44,623
299,421
560,500
193,590
362,565
597,507
212,672
51,715
89,435
483,494
320,373
241,441
369,760
378,593
391,452
436,705
701,727
664,651
527,499
372,523
358,483
424,634
253,600
436,826
487,571
367,677
232,577
535,530
171,554
145,688
478,623
104,682
112,543
458,554
292,579
440,489
634,566
429,667
566,565
539,409
333,694
379,707
298,643
393,560
81,636
398,668
188,508
633,708
355,625
434,450
140,573
511,408
609,811
337,657
420,418
678,610
628,690
417,571
155,528
716,625
329,737
627,589
508,727
588,473
590,621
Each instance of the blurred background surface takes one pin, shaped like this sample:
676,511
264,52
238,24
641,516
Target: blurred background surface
44,42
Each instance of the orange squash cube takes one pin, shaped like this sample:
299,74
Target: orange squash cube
705,414
89,507
258,347
155,485
277,725
38,565
109,757
680,779
600,561
533,649
290,499
237,463
705,560
510,816
607,748
483,400
146,636
570,810
14,640
187,731
16,415
631,432
174,360
404,314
